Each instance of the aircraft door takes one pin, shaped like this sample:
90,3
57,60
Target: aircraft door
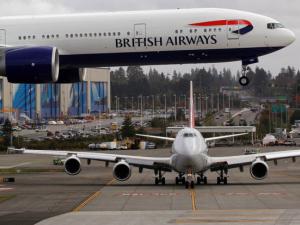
140,31
2,38
233,34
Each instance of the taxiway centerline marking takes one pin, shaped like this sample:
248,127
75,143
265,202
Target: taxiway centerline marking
193,197
89,199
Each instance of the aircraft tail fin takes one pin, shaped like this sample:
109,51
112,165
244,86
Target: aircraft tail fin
192,113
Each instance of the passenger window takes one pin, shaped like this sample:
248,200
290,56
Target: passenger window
119,33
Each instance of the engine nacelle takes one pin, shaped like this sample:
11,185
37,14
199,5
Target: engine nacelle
71,75
30,65
72,165
259,169
122,171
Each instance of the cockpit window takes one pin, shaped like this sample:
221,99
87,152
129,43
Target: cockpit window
273,26
189,135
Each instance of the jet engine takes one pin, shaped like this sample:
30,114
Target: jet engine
31,65
259,169
71,75
122,171
72,165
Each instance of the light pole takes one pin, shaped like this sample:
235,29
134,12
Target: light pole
141,110
116,102
126,99
200,107
153,106
206,105
132,104
218,102
165,107
184,106
175,107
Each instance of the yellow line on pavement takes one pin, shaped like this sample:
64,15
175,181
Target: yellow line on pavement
193,196
87,201
91,198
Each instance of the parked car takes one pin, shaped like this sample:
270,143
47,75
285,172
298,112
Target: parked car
269,139
289,143
150,145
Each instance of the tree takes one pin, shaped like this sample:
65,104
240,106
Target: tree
127,129
7,132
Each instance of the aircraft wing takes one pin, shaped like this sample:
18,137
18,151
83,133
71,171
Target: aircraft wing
242,160
163,163
223,137
156,137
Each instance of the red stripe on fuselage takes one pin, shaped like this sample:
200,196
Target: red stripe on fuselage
222,23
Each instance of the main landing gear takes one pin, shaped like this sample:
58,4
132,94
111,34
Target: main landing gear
160,179
180,179
222,179
244,80
201,179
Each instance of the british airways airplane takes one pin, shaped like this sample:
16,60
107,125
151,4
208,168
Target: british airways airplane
190,158
57,48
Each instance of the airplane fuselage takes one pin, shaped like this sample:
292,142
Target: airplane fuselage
189,152
148,37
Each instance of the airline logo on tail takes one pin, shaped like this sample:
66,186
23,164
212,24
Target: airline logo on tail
246,26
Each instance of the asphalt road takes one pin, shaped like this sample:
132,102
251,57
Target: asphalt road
93,197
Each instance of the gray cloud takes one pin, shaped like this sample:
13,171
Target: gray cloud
286,12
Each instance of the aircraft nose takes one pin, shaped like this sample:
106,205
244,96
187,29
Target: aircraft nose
291,37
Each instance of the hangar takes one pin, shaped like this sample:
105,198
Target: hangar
53,101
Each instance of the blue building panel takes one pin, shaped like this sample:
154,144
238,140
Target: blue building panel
24,99
98,97
78,99
50,101
1,95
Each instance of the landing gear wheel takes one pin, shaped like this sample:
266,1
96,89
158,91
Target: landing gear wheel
163,181
225,180
183,180
156,180
218,180
205,180
177,180
192,185
198,180
187,185
244,81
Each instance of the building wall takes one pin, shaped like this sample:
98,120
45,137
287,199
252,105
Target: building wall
52,101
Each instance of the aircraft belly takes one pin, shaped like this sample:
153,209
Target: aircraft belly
183,163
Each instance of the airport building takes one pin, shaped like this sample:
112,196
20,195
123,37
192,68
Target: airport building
54,101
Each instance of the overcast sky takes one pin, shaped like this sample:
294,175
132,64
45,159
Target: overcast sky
287,12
